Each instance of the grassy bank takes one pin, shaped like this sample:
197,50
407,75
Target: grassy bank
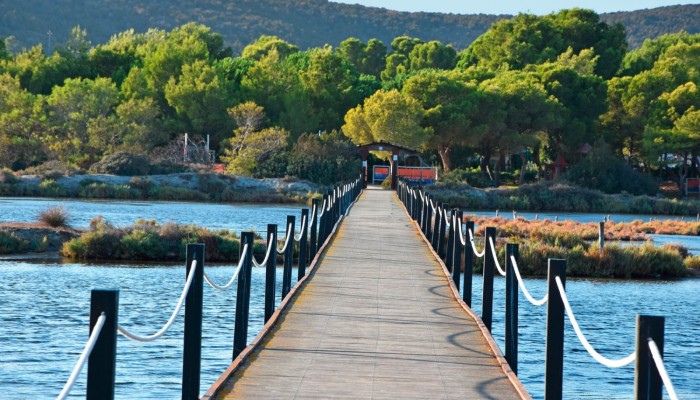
557,196
148,240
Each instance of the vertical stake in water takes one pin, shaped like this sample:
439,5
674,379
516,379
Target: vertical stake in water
102,363
288,257
192,352
303,243
240,333
313,245
511,321
457,251
554,352
601,235
468,266
489,267
647,380
271,272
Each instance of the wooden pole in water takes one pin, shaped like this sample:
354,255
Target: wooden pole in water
489,267
192,352
647,380
271,272
601,235
288,256
240,333
554,352
511,322
102,363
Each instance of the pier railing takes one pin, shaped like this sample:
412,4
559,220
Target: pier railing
457,248
99,353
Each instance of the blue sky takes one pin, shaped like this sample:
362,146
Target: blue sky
512,7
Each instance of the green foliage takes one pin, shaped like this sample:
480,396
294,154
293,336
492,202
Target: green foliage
10,243
601,170
123,164
324,159
259,154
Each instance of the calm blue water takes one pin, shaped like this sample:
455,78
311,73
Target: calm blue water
235,217
44,309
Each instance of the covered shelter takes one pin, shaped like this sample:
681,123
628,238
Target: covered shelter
396,152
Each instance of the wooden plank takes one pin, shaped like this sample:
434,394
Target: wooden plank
377,320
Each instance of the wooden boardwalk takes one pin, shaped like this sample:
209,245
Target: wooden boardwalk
377,320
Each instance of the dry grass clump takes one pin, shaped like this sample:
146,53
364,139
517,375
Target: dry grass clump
55,217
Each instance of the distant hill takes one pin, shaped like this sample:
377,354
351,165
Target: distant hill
306,23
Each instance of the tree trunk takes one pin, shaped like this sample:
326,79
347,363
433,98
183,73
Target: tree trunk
683,171
445,153
523,162
486,165
497,170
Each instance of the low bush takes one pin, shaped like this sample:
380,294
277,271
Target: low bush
10,243
122,163
54,216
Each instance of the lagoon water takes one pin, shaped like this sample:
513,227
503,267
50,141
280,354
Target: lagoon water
44,308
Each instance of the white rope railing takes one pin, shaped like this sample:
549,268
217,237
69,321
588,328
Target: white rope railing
87,350
267,255
323,208
478,253
166,327
659,361
527,294
302,230
495,258
596,356
462,238
235,273
432,206
447,219
289,234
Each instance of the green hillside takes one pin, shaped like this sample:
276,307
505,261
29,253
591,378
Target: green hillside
307,23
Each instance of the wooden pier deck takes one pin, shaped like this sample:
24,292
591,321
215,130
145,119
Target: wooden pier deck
377,319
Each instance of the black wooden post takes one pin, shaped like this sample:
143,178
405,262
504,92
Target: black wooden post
394,171
436,229
601,236
303,243
441,234
458,250
271,272
554,353
511,322
468,266
192,352
647,380
240,333
102,363
489,267
313,244
428,218
288,256
449,254
424,214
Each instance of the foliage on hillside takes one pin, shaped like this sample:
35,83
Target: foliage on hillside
307,23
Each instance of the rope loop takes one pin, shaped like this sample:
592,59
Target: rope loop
527,294
267,255
166,327
458,227
610,363
301,230
478,253
288,234
495,258
235,273
659,361
87,350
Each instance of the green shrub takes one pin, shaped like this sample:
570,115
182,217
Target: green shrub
324,159
53,168
10,243
692,262
123,164
51,188
8,177
603,171
54,216
165,192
